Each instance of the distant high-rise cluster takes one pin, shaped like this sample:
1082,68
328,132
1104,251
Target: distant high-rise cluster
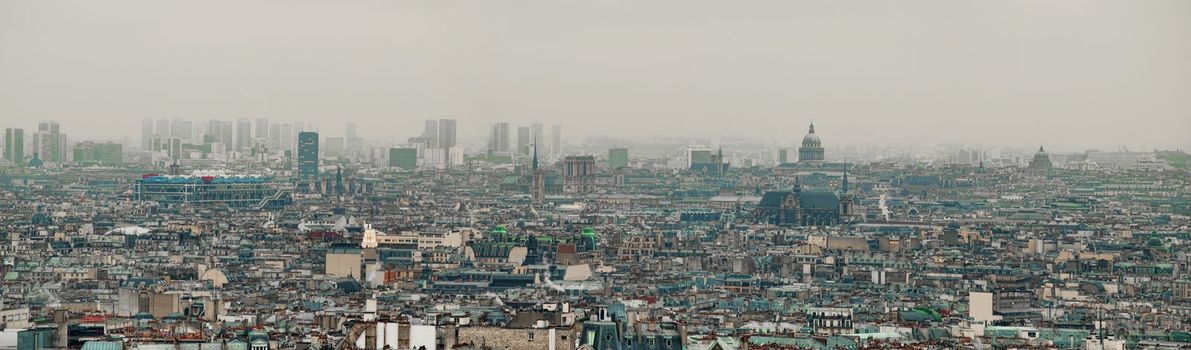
437,147
49,143
499,139
178,140
505,146
14,146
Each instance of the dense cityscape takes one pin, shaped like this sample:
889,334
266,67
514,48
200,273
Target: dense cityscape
255,234
595,175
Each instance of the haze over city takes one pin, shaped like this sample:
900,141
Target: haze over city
1073,75
595,175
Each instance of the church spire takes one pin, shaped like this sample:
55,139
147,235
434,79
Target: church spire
535,154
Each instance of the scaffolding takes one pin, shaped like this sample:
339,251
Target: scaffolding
237,192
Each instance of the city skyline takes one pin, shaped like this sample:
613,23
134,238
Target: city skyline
1113,76
592,175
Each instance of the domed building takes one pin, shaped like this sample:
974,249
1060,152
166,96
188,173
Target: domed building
1041,161
812,149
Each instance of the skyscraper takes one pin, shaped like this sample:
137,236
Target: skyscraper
499,141
446,140
163,128
274,137
523,140
446,133
353,144
180,128
14,146
227,135
286,135
556,139
48,143
243,134
308,157
349,130
262,128
430,133
146,134
535,134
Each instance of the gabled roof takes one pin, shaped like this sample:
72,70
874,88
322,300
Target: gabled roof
818,200
773,199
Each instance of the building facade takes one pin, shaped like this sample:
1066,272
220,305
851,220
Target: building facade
812,148
308,156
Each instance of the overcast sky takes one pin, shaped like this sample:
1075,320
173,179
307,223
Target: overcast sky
1065,73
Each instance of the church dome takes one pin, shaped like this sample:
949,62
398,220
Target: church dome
1041,160
811,139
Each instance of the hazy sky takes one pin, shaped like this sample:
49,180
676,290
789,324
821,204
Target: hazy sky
1063,73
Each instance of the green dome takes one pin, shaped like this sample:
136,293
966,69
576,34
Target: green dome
588,232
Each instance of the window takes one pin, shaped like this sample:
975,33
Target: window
529,335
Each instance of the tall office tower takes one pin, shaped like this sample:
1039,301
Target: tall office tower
175,148
49,142
499,141
536,136
446,133
430,134
163,128
227,135
243,134
146,134
185,131
181,129
523,140
556,138
274,137
447,141
211,132
333,147
262,128
618,158
14,146
308,157
353,144
285,141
